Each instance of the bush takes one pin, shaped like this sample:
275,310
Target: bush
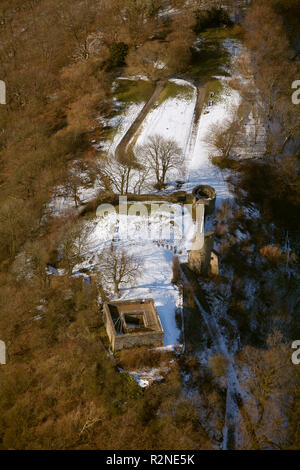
118,53
219,365
135,359
213,18
273,255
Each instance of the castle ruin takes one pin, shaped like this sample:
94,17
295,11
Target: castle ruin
132,323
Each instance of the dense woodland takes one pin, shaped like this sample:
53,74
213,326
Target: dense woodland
59,389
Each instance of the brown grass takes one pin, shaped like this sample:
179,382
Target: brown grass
135,359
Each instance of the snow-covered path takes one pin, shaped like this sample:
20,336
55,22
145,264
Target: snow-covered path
122,122
199,168
172,119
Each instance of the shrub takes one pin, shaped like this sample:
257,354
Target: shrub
118,53
219,365
213,18
135,359
273,255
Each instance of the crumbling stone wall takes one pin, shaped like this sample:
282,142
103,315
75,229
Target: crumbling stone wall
214,263
200,260
144,337
155,339
110,329
204,194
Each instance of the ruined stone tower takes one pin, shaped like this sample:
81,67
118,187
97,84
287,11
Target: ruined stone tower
203,258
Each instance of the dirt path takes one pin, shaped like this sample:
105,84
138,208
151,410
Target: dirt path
122,146
201,92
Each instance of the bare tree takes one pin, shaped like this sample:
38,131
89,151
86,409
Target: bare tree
141,179
16,223
149,60
132,21
34,262
266,377
113,175
73,244
160,155
223,137
123,176
77,179
141,19
119,267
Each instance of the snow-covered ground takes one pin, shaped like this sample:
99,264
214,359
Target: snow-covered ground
155,282
172,119
155,278
163,223
64,204
154,237
121,123
200,169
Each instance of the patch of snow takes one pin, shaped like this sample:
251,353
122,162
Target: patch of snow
240,235
52,270
37,318
135,78
172,119
124,122
200,169
155,282
155,278
168,12
232,46
147,376
169,348
173,228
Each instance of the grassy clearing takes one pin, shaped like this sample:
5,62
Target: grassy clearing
127,92
173,90
223,33
212,57
134,91
209,61
216,86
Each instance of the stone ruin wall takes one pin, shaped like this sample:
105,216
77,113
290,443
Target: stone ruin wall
132,340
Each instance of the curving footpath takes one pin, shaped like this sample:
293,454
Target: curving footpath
121,148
